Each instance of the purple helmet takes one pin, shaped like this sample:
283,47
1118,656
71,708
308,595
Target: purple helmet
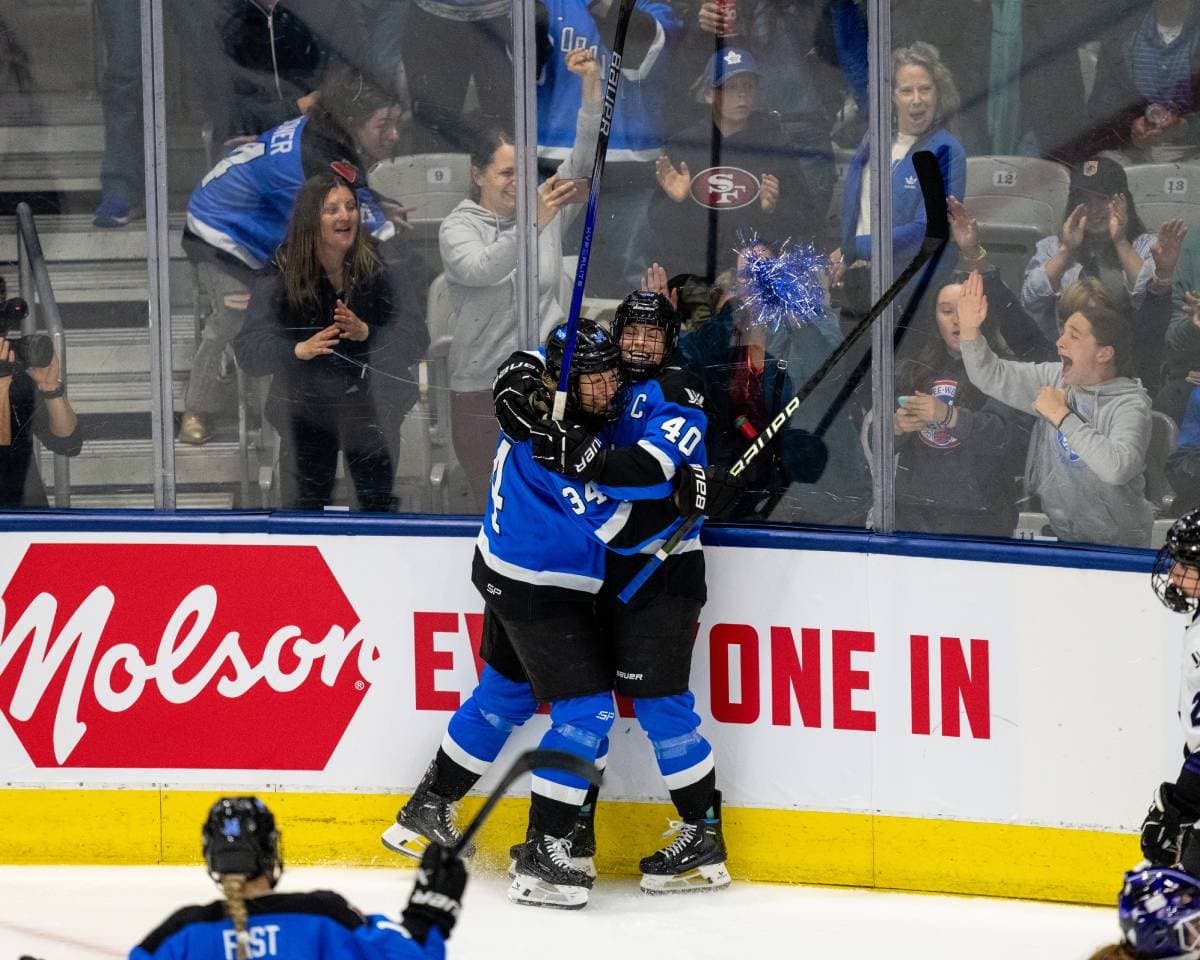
1159,912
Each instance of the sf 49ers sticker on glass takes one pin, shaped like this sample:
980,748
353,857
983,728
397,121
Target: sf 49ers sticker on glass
179,656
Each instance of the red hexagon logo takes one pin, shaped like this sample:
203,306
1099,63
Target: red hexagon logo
725,188
180,656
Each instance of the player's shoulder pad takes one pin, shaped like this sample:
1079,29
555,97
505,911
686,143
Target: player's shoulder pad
318,903
182,918
679,385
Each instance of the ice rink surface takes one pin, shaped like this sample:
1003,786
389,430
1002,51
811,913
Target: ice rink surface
84,913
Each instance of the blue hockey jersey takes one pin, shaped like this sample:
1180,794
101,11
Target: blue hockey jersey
244,203
293,926
637,124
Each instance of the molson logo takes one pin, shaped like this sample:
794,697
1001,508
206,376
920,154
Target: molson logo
180,656
724,188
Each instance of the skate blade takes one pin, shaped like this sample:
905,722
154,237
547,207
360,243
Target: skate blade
536,892
586,864
407,843
709,877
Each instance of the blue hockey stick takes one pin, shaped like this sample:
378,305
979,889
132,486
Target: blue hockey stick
937,233
589,220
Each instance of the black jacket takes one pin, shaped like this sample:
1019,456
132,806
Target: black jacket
28,419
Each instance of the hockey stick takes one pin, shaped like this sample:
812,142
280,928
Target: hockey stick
937,233
527,761
589,218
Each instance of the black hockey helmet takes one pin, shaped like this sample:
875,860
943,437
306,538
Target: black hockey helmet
595,352
239,836
651,310
1183,547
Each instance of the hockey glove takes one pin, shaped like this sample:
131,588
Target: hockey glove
437,894
706,490
567,449
518,391
1163,828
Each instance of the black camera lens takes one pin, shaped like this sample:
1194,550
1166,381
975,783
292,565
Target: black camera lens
14,310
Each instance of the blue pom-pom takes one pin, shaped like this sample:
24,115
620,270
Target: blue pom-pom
781,289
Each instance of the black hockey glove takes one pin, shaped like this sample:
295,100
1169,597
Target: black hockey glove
804,455
437,894
567,449
706,490
518,391
1164,826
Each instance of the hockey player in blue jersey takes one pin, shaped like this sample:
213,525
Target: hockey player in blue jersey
1168,832
665,417
241,850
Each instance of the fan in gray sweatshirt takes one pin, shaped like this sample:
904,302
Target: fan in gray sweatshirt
1089,473
479,253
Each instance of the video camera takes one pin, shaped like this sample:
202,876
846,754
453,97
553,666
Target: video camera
29,349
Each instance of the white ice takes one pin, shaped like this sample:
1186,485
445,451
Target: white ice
85,913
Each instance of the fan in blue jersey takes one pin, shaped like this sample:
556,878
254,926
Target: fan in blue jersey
239,212
241,850
1159,913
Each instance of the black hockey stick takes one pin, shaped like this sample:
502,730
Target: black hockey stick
589,218
937,233
529,760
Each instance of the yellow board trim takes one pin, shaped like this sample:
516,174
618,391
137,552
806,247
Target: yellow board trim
784,846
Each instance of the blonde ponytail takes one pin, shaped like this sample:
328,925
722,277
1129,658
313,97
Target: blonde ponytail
234,888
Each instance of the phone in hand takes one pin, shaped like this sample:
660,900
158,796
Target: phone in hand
581,187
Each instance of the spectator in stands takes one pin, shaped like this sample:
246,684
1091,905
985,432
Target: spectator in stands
954,445
638,126
795,84
1101,236
1088,453
1183,463
274,60
731,174
478,242
926,101
749,375
444,45
1147,90
1182,355
239,213
33,403
314,321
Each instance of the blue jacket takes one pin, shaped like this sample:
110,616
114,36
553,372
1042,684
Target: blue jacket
908,209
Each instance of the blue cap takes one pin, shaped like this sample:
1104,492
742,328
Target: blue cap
729,63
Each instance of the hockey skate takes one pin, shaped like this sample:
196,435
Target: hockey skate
426,818
583,846
694,860
545,877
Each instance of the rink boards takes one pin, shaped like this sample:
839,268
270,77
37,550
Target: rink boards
906,714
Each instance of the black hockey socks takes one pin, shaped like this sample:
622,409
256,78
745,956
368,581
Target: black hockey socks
696,801
451,780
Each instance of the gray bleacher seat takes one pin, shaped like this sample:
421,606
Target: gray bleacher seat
433,183
436,402
1164,436
1162,191
1017,201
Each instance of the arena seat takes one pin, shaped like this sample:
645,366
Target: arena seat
1017,201
1162,191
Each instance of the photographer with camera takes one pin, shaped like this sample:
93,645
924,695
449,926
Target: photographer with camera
33,402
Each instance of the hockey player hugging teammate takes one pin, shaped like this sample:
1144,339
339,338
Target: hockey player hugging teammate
574,510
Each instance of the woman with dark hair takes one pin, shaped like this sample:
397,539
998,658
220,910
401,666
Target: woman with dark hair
479,241
239,212
955,446
1101,236
313,323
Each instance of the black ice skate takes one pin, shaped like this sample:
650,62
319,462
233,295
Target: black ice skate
583,845
427,817
694,860
545,876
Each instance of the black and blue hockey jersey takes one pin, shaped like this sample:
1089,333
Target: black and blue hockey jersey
297,926
244,203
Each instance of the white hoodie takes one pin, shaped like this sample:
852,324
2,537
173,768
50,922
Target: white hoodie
479,256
